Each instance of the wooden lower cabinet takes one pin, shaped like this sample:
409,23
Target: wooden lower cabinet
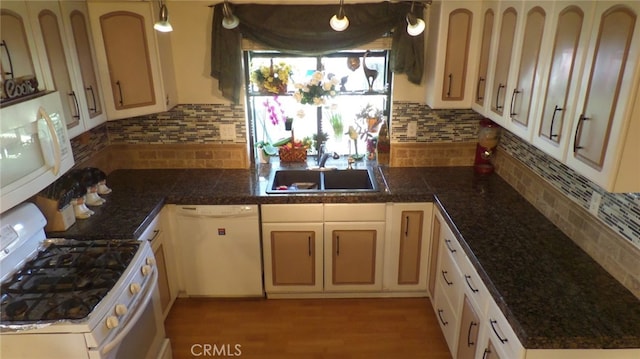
292,256
163,278
490,351
353,256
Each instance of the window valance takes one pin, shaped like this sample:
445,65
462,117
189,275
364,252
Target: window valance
305,30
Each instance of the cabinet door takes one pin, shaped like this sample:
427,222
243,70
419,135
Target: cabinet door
163,278
567,52
19,66
597,115
47,22
506,35
468,333
436,230
292,257
410,247
490,351
353,256
76,22
522,93
457,55
126,47
485,50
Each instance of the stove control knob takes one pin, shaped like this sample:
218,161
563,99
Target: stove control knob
121,309
151,261
134,288
112,321
146,269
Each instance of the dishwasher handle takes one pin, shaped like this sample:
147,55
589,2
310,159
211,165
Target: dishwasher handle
223,211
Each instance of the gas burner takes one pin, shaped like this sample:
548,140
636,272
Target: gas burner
65,280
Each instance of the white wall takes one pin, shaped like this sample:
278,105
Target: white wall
191,42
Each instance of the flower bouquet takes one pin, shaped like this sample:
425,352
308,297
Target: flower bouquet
316,90
272,79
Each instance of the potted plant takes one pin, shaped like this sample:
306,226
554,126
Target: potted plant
272,79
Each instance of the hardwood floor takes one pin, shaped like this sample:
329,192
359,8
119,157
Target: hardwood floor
402,328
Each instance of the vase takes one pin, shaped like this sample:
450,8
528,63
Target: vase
264,158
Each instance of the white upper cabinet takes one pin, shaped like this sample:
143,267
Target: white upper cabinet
530,59
75,18
488,18
452,50
61,37
570,22
604,144
508,19
21,73
134,60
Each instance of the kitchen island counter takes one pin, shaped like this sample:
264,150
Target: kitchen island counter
551,292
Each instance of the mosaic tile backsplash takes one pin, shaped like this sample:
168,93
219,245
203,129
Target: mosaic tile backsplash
433,126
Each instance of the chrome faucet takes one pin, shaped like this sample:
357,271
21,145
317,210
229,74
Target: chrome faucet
323,160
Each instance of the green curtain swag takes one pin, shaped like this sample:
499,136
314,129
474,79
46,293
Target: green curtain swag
305,30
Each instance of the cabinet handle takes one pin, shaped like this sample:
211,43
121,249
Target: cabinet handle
337,245
501,339
581,120
309,245
449,87
478,97
406,227
121,101
156,232
444,275
6,49
447,243
93,98
500,87
469,342
513,100
466,279
553,119
486,353
444,322
75,102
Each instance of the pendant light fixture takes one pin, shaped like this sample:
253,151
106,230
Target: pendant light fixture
163,24
229,20
339,21
415,25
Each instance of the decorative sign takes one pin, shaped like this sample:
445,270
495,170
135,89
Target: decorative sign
21,87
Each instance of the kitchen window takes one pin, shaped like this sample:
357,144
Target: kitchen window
361,102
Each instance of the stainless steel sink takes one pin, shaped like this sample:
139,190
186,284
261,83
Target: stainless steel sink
315,181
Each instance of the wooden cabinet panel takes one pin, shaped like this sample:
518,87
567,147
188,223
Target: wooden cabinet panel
293,258
163,278
80,32
354,257
609,61
522,94
51,36
485,50
126,47
468,333
436,227
457,55
552,126
410,247
503,60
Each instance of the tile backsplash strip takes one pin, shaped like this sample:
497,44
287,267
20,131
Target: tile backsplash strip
433,126
199,123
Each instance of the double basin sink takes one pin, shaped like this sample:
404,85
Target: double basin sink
322,181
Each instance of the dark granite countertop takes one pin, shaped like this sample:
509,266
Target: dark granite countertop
551,292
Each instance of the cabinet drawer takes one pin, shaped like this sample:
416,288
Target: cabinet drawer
291,212
446,317
353,212
474,286
449,277
502,335
451,244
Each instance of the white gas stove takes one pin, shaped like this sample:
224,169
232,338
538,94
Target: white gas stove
63,298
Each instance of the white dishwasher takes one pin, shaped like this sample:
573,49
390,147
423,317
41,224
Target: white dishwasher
220,250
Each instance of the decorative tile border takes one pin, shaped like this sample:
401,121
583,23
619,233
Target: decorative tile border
619,211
